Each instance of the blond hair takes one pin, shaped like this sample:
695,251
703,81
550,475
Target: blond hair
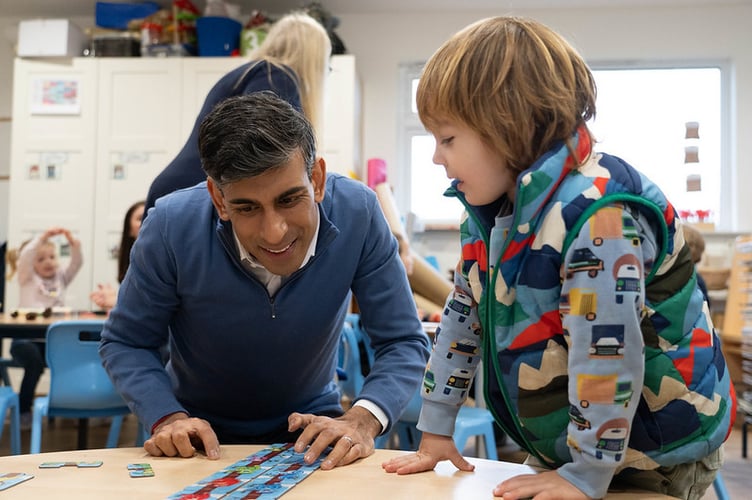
301,43
514,81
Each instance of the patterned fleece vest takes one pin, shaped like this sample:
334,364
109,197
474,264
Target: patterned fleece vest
687,405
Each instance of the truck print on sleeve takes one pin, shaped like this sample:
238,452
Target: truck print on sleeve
611,223
458,381
612,437
464,347
583,259
607,341
460,304
603,389
580,302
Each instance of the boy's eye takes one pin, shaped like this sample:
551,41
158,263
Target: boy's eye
447,140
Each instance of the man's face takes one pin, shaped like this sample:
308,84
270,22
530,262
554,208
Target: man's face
274,214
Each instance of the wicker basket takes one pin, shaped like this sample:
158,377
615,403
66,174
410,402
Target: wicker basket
715,277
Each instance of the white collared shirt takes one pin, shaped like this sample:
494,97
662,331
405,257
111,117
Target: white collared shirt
272,282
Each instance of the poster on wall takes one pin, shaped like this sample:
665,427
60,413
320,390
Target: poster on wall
55,96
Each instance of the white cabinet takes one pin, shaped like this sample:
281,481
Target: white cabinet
89,135
342,135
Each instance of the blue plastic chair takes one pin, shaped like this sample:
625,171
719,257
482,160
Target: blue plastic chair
9,402
471,421
79,385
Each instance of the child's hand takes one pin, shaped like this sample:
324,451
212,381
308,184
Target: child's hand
543,486
53,231
68,236
104,296
433,449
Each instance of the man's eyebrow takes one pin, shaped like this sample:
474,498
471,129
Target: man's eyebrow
284,194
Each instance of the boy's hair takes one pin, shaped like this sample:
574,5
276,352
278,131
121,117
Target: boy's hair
514,81
248,135
298,42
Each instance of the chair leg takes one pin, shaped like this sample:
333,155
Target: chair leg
719,486
15,428
36,427
114,434
489,442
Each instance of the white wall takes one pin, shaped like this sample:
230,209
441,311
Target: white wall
382,41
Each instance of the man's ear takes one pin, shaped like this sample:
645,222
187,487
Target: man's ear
318,179
218,198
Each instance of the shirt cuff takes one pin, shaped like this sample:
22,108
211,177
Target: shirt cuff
376,411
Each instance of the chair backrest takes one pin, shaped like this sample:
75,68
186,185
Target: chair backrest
349,361
77,378
354,343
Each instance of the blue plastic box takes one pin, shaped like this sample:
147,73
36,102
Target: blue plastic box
117,15
217,36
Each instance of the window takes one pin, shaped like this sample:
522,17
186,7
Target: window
667,123
642,117
423,182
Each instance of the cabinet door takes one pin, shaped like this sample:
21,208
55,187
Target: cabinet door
199,76
342,136
52,159
138,133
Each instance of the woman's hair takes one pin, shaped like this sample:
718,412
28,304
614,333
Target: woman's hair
514,81
126,242
302,44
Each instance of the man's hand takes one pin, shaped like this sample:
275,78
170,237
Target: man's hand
544,486
180,435
351,436
432,450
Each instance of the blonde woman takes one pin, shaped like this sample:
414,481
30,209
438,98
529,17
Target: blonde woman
292,62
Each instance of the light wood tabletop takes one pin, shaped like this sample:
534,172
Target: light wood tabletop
363,480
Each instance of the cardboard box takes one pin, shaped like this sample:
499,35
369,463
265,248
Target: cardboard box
50,38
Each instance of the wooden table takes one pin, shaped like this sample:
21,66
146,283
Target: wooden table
22,328
363,480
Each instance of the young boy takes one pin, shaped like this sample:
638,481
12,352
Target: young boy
599,355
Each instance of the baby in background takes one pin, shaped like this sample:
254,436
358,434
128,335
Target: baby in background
42,283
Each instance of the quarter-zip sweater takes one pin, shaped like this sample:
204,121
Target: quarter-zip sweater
240,358
598,349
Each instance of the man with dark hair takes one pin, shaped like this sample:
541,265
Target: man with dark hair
249,276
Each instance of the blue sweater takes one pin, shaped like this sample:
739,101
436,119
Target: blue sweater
185,169
244,360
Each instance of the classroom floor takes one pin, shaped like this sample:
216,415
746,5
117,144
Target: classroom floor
62,434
